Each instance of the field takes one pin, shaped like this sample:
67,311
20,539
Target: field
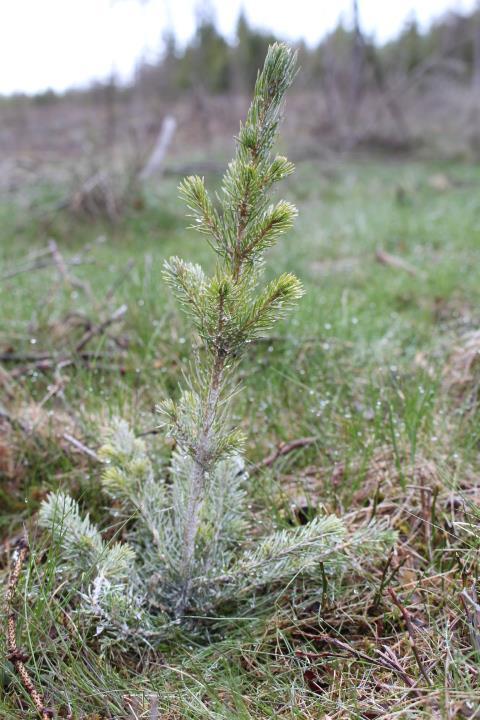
376,374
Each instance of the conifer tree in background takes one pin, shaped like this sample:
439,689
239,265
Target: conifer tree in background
186,549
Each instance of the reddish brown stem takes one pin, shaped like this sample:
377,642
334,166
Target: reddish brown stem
16,656
411,633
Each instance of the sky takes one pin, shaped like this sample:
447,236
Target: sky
60,44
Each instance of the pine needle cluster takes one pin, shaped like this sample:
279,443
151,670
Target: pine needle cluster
186,548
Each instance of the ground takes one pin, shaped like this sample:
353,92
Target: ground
376,369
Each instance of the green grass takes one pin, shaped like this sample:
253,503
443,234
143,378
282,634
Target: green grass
360,365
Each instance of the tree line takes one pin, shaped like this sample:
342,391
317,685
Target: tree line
346,56
209,62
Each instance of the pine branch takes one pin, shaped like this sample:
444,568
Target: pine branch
80,543
272,304
197,199
290,552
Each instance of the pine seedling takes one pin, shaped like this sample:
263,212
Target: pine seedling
227,311
186,550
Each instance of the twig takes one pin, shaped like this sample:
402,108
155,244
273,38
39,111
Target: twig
101,327
115,285
472,611
7,383
16,656
385,258
40,265
411,633
59,261
24,357
80,446
58,387
383,582
62,268
36,358
388,656
283,449
384,662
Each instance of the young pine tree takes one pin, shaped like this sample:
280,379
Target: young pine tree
186,549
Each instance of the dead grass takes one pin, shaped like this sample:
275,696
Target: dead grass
462,373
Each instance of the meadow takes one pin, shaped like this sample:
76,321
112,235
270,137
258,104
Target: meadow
364,403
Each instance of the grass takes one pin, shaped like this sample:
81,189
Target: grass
363,366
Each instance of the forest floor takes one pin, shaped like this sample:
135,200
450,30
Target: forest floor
376,374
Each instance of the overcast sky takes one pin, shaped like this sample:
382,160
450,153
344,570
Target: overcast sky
63,43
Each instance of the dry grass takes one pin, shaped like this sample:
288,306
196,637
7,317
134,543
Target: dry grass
462,373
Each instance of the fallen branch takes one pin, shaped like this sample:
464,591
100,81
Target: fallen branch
18,657
80,446
25,357
101,327
41,264
281,450
472,611
398,263
55,362
154,165
62,268
411,633
385,662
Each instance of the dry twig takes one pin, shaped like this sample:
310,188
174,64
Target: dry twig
281,450
101,327
81,447
384,661
411,633
18,657
472,611
62,268
398,263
